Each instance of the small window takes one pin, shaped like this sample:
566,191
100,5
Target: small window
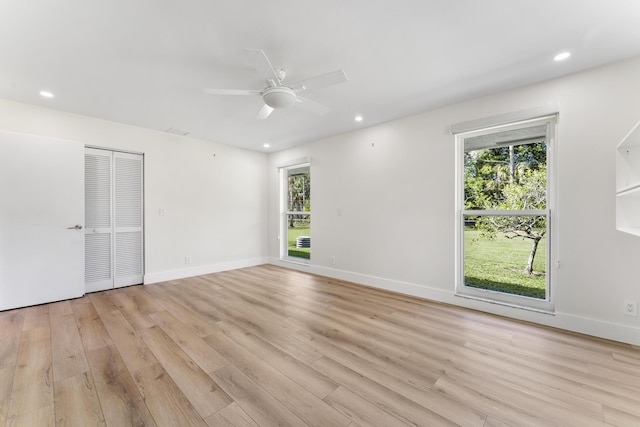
505,194
295,236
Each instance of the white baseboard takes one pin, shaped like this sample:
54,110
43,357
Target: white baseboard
569,322
199,270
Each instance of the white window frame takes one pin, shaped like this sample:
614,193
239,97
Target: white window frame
545,305
285,212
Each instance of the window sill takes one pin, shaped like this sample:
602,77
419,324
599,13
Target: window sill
298,261
512,301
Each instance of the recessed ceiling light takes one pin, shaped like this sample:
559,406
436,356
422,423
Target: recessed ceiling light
562,56
266,145
46,94
358,118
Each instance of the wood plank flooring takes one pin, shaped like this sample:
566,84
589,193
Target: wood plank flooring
267,346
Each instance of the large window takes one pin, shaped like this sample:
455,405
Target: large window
505,198
295,235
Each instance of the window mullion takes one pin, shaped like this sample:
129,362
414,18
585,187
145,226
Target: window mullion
528,212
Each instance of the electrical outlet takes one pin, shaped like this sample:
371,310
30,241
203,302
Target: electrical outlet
187,260
631,308
333,260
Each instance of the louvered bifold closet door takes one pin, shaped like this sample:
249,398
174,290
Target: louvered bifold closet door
98,221
128,212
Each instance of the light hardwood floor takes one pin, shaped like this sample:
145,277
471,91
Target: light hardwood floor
267,346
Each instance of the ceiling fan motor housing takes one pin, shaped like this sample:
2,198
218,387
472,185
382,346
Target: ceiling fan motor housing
279,97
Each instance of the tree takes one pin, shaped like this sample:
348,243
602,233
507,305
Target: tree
299,195
508,178
528,193
487,172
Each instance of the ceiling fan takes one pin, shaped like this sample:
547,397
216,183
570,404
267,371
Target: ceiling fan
278,95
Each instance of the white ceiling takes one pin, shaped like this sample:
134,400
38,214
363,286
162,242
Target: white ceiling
146,62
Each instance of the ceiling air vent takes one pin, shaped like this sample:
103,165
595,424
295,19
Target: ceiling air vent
177,131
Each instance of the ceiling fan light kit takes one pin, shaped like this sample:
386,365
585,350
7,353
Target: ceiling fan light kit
279,97
276,95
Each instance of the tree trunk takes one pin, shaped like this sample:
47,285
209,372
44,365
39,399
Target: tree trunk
512,164
532,256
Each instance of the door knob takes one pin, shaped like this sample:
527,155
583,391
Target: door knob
75,227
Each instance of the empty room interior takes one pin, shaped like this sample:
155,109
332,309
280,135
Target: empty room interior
330,213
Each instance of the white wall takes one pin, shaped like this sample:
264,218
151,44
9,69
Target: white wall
395,186
213,194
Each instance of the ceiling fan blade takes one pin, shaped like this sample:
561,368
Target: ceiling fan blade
260,62
264,112
312,106
232,92
320,81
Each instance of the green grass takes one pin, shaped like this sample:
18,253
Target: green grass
499,264
292,234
